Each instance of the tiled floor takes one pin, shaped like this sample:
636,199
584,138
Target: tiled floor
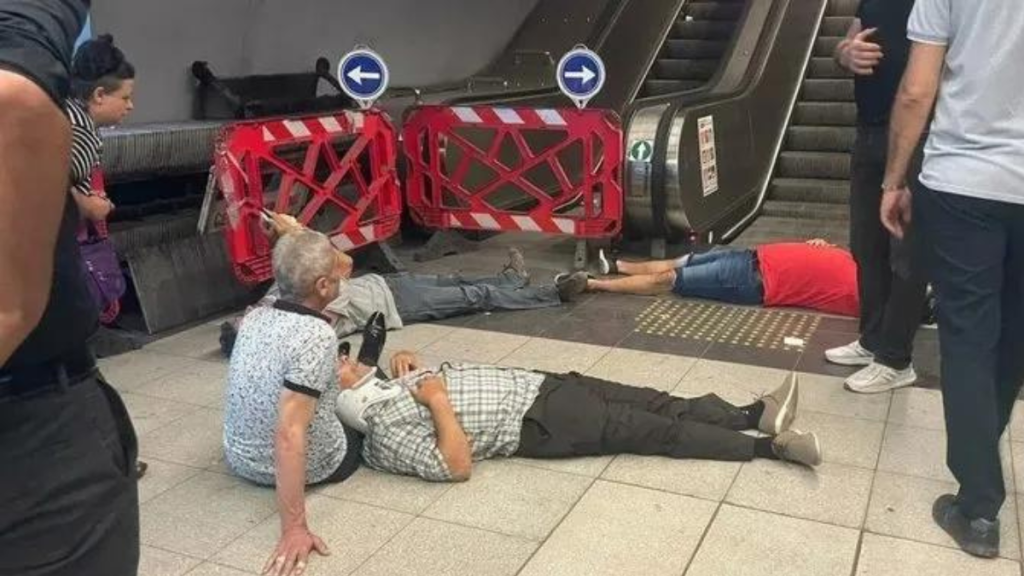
865,511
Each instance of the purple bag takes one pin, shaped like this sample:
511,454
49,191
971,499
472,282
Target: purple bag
103,271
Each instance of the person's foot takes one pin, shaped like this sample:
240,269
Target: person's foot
570,286
375,334
607,265
852,354
878,378
228,335
780,407
978,537
799,447
517,264
140,469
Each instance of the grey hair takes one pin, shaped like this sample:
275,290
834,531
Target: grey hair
299,260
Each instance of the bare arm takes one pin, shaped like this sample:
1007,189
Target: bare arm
918,90
451,438
35,144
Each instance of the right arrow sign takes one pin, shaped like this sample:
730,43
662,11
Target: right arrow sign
581,75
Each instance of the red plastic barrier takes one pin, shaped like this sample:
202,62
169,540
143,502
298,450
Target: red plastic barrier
554,171
335,174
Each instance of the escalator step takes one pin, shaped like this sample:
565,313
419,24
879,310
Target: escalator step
685,69
695,48
825,114
842,7
820,138
810,190
776,229
654,87
830,90
825,46
831,165
835,25
826,68
814,211
715,10
703,30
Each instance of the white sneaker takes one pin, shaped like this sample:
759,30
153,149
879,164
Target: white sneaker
878,378
852,354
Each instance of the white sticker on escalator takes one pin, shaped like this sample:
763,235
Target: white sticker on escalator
708,154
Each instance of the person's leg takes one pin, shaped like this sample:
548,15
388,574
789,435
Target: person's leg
728,276
644,284
658,266
1011,341
966,247
420,299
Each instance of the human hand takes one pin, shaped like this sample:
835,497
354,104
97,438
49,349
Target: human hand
859,55
292,552
896,210
404,362
820,243
431,391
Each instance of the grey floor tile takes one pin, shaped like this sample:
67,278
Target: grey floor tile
211,569
736,383
844,440
432,548
475,346
744,542
831,493
555,356
648,369
901,506
202,383
134,369
194,440
591,467
825,394
391,491
205,513
157,562
705,479
201,342
149,413
1017,422
1017,458
919,408
622,530
510,498
417,336
162,476
915,452
352,532
884,556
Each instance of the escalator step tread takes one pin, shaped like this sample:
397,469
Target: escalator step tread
828,90
835,25
695,48
685,69
657,87
825,46
846,8
810,190
775,229
703,30
826,67
715,10
825,114
820,138
831,165
818,211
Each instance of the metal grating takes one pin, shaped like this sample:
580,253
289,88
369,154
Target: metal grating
752,327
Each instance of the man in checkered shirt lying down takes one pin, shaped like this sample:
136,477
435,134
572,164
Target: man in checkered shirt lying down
435,423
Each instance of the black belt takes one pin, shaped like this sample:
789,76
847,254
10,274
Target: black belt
55,375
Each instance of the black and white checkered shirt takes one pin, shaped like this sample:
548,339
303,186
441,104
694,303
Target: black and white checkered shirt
489,402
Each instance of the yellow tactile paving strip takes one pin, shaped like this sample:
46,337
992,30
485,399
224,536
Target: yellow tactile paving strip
753,327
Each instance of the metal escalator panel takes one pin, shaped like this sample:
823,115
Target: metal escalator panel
693,50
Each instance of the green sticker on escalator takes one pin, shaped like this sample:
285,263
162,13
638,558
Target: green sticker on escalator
641,151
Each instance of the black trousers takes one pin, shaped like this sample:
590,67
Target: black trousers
975,257
69,503
890,277
576,415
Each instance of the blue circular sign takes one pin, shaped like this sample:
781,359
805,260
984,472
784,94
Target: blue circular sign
363,75
581,74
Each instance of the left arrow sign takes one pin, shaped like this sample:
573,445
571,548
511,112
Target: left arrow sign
357,75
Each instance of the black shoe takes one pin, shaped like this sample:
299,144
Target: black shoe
570,286
140,469
228,335
374,336
978,537
344,349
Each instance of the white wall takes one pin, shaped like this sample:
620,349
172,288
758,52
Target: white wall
424,41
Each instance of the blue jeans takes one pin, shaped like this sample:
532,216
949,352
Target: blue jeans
426,297
726,275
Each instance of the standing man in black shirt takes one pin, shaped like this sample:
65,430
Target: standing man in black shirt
891,283
68,492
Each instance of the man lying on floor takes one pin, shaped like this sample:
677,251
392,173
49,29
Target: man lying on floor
813,274
435,423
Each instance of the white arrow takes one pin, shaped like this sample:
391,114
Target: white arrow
357,75
586,75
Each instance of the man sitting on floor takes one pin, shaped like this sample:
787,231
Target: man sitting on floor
280,426
813,274
435,423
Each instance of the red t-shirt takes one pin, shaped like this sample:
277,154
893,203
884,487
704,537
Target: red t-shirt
805,276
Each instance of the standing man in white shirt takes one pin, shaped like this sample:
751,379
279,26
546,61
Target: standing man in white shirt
968,56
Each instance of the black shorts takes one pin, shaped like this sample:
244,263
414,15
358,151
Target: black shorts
37,38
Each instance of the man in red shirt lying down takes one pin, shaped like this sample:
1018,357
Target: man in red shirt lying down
812,274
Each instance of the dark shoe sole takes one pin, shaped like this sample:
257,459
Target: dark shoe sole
952,522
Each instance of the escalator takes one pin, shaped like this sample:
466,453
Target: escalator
809,192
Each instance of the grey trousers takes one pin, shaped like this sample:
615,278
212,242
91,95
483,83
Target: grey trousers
426,297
